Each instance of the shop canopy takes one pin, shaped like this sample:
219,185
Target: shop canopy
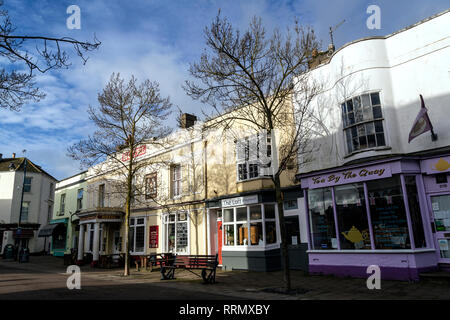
47,230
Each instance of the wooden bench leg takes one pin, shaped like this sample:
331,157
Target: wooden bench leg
209,277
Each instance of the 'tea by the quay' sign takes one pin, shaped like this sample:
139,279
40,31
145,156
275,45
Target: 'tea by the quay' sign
350,176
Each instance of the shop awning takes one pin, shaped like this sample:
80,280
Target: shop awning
47,230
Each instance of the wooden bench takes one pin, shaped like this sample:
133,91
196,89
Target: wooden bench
152,260
206,263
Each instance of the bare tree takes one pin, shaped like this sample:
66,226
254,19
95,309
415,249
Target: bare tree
251,79
130,115
19,87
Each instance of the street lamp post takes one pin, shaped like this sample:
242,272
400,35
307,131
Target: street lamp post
19,231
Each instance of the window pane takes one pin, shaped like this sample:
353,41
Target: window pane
375,97
140,221
140,236
253,170
242,231
365,100
414,211
256,233
290,204
441,211
351,118
241,214
269,211
361,130
132,222
171,237
242,171
380,140
271,232
172,217
362,142
370,128
348,138
367,113
182,237
352,217
292,230
349,105
377,112
323,231
229,235
371,141
378,126
255,212
387,211
343,109
228,215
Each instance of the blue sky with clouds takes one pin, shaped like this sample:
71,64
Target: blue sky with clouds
156,39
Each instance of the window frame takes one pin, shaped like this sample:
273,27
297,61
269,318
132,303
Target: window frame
134,226
80,199
348,128
263,220
154,193
27,185
176,182
368,212
62,204
166,222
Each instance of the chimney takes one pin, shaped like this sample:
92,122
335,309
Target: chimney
1,156
187,120
14,155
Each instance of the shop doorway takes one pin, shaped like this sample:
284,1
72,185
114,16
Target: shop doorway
440,205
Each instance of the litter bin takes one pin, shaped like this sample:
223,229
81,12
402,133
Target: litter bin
24,255
8,252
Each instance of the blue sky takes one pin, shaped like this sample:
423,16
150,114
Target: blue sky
156,39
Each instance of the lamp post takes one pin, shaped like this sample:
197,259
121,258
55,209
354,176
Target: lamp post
19,231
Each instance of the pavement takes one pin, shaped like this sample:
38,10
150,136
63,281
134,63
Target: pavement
45,277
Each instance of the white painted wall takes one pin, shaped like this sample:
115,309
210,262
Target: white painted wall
401,66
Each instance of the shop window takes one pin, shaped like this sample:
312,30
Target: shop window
137,235
414,211
388,214
290,204
59,237
176,228
352,216
323,231
229,234
250,232
292,230
441,210
363,122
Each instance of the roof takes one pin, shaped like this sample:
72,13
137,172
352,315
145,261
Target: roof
19,164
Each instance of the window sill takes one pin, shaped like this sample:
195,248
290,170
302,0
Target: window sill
374,251
253,179
366,150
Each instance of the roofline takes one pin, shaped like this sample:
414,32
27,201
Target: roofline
382,37
85,171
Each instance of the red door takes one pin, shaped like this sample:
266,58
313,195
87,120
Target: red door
219,240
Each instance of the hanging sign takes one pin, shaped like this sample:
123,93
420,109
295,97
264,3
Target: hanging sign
350,176
153,242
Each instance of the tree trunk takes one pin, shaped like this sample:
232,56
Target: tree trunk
284,242
128,210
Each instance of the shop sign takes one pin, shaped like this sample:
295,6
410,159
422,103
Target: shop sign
350,176
139,151
239,201
153,237
437,165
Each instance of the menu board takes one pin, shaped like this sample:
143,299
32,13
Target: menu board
153,237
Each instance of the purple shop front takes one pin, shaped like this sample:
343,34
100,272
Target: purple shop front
391,213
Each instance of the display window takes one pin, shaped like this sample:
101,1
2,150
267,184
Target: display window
323,231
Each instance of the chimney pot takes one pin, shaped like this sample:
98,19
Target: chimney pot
187,120
14,155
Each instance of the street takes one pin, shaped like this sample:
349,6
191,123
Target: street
45,278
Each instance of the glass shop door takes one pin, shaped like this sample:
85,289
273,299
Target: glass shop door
440,204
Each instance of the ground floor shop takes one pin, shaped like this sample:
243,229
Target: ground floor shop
22,236
244,231
393,213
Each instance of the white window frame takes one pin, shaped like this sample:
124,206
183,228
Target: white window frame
166,223
263,220
173,181
27,206
257,156
133,243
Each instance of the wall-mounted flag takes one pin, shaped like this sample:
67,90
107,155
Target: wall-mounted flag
422,124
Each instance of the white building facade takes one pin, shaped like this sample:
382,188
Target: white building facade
37,204
372,198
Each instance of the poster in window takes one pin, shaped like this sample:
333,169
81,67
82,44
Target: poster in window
153,237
